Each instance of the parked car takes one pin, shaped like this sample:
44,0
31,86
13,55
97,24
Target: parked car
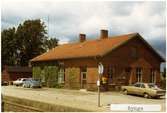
148,90
4,83
20,81
32,83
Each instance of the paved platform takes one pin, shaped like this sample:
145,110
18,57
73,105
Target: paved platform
85,100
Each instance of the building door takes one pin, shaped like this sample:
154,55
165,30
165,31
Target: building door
83,78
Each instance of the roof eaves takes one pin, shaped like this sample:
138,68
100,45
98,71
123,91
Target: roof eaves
65,58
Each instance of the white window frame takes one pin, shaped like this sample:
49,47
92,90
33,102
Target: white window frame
153,76
83,70
139,74
61,76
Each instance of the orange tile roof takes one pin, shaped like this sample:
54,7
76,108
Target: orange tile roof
89,48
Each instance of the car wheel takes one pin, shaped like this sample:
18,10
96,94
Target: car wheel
146,95
125,92
157,97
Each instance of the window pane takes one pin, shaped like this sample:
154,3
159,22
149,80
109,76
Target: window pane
139,74
110,72
83,69
152,76
142,86
137,85
84,75
61,76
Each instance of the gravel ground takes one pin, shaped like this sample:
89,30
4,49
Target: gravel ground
78,99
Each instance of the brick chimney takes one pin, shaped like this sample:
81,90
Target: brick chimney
103,34
82,37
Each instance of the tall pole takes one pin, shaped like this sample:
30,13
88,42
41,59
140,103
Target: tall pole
100,73
100,70
99,90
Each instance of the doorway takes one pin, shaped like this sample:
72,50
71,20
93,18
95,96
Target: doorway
83,77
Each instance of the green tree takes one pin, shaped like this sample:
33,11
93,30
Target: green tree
31,36
9,52
25,42
51,43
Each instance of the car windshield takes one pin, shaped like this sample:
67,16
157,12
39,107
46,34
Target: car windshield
152,86
34,80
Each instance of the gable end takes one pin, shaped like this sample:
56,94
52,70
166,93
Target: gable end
136,35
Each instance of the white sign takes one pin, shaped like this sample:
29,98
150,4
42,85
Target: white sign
98,83
100,68
135,107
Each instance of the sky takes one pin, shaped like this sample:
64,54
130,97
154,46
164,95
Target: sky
69,18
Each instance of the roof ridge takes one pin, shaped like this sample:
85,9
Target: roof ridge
110,37
92,47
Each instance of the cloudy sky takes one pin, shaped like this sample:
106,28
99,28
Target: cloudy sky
68,19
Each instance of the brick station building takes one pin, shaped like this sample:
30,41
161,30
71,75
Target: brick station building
126,58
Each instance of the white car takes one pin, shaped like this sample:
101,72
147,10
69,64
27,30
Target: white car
20,81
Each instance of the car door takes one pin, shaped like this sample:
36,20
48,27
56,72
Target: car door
141,89
136,89
131,89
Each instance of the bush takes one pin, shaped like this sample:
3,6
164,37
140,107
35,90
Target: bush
36,71
51,75
48,75
72,76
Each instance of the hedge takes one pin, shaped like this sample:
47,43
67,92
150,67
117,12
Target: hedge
48,75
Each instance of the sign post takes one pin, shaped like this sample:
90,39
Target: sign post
100,71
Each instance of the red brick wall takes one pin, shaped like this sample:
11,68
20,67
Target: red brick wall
91,71
6,76
16,75
120,59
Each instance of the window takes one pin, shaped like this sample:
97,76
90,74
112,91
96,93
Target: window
152,76
110,72
137,85
139,74
61,76
43,79
83,79
83,69
142,86
83,73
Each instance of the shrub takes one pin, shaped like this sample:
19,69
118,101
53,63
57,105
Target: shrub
48,75
72,76
36,71
51,75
